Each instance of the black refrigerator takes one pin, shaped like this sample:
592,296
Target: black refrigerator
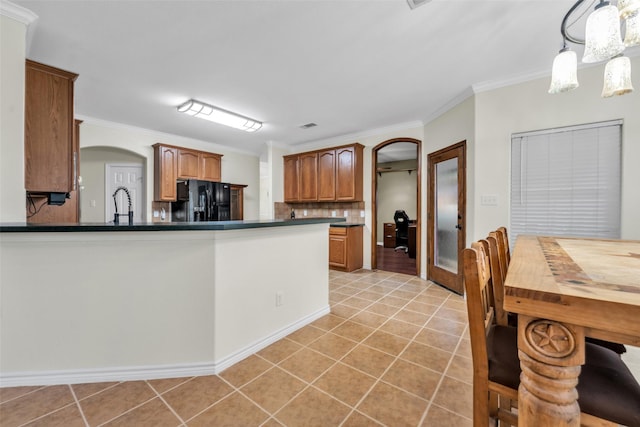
202,201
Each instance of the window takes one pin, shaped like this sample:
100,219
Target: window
567,181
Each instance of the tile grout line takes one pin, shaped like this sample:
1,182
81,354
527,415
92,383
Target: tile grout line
75,398
23,395
444,374
396,357
182,422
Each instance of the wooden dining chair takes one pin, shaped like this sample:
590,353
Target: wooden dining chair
502,231
608,394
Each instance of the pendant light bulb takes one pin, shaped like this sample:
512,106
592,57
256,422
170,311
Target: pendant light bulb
602,34
564,74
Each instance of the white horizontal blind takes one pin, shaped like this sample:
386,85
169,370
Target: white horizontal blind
566,182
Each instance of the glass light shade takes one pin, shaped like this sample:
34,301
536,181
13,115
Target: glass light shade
627,7
602,34
564,74
632,34
617,77
204,111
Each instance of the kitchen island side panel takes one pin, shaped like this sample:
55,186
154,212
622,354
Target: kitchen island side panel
99,301
266,281
96,306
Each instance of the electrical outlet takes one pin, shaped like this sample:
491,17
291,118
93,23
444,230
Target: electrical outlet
489,200
92,203
279,299
334,213
346,214
361,214
304,212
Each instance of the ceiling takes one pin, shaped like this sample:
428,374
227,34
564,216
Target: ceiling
350,66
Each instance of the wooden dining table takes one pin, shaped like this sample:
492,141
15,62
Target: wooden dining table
563,289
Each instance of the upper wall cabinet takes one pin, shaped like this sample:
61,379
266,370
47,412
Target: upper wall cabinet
174,163
50,158
328,175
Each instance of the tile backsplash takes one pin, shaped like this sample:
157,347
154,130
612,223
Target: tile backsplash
353,210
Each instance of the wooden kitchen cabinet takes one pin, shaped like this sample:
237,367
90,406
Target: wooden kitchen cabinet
308,177
345,248
291,193
39,212
328,175
188,164
48,140
237,201
172,163
210,167
349,173
165,173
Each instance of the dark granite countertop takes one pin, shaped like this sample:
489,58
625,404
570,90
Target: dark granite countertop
163,226
346,224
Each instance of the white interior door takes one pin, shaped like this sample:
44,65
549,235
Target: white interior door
131,177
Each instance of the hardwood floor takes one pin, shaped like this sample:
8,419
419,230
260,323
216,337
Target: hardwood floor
395,261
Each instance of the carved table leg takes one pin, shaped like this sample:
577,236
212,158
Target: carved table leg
551,354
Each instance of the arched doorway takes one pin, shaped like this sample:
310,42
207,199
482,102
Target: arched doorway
389,158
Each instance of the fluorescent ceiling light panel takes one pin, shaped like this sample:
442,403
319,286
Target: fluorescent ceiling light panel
217,115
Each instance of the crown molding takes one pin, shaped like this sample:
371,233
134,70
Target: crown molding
18,13
456,100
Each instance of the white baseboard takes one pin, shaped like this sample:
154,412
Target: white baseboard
133,373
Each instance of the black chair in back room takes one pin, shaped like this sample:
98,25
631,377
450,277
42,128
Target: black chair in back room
402,230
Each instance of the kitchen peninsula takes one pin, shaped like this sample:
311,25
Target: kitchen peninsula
99,302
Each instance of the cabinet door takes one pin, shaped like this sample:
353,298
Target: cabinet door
210,167
48,143
337,250
188,164
165,173
349,173
308,177
237,202
291,193
327,175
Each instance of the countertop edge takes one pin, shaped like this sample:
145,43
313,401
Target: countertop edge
162,226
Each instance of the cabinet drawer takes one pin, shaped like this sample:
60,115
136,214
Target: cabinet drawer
338,231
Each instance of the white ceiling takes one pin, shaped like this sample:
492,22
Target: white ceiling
348,65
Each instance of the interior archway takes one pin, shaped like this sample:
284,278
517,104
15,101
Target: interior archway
395,156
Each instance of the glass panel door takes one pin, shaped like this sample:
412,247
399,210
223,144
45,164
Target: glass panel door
446,215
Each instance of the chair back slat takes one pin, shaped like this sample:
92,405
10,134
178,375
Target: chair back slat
479,301
502,231
497,278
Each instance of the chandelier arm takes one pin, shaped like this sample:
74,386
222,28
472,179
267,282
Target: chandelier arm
563,26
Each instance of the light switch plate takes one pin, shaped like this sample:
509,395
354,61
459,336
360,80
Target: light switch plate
489,200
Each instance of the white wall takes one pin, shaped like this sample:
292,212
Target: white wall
457,124
396,190
12,51
237,168
528,106
92,170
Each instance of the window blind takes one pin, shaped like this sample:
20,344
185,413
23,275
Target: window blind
566,182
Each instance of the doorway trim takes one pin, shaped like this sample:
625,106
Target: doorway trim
374,206
437,275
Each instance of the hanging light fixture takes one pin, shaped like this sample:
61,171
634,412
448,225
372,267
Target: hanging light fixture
603,41
217,115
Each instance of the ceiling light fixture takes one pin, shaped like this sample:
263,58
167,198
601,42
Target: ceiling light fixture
603,42
209,112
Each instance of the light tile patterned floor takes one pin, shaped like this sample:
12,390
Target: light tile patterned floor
394,351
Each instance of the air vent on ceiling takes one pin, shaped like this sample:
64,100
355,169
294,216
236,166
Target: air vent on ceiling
415,3
308,125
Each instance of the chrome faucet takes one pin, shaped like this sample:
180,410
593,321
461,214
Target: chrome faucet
116,216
